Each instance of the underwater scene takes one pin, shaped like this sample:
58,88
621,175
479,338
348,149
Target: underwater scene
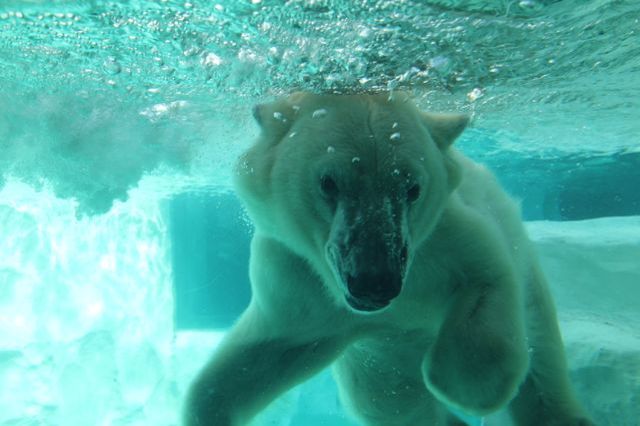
125,246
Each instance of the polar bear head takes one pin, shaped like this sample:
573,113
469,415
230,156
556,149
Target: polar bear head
351,183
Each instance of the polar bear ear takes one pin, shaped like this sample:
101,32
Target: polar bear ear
445,128
274,118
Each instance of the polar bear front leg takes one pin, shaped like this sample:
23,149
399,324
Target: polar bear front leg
479,358
249,370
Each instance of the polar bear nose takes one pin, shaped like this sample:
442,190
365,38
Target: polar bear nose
373,291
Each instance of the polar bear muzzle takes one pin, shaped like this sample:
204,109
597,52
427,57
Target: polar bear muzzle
368,254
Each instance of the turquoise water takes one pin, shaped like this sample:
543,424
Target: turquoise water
120,122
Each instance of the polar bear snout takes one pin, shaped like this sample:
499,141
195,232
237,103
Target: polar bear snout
373,291
368,252
370,276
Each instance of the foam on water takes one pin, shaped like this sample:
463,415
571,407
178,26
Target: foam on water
541,76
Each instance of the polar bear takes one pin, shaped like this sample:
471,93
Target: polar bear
382,250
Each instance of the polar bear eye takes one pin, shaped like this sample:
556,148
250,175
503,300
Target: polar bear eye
413,193
328,186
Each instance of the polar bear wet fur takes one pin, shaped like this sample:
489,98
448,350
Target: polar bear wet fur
382,250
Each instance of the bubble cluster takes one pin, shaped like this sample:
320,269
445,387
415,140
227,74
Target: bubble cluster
521,67
319,113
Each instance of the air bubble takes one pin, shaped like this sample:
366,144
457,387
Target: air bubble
278,116
395,172
292,134
355,160
112,66
190,51
395,136
394,125
364,33
319,113
211,60
439,62
531,5
474,94
331,150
